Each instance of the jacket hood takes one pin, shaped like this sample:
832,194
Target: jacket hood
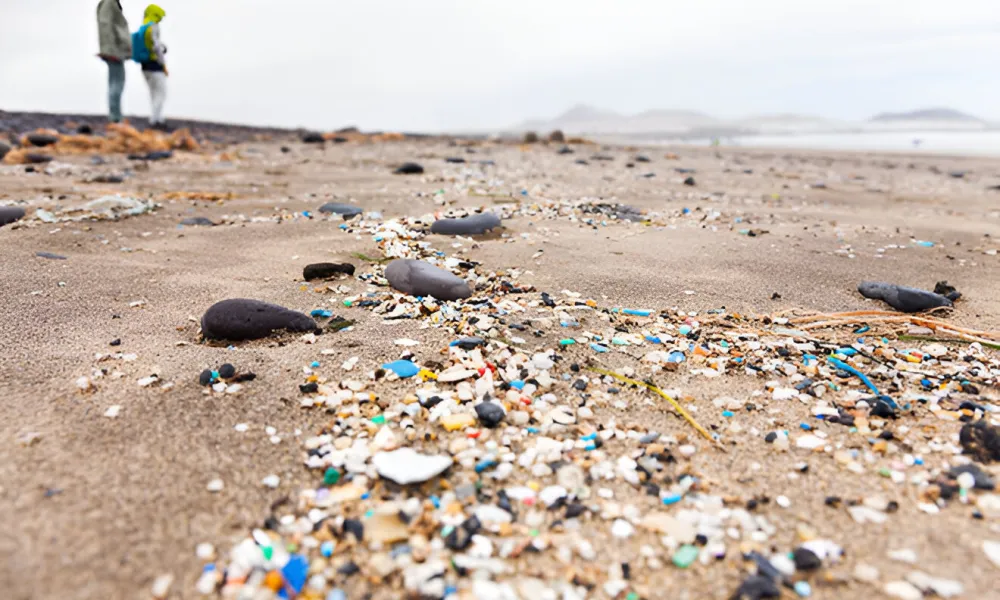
154,14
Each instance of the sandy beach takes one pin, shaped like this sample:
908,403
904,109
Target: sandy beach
98,506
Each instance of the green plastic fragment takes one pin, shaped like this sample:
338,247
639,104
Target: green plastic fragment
685,555
331,477
378,419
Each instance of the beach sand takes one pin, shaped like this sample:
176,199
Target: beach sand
98,507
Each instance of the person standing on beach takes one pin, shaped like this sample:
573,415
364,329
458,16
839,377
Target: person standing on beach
116,48
148,50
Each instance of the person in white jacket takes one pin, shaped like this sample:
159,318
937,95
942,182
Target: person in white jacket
116,48
151,55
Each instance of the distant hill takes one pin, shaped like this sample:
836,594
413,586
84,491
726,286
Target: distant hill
660,124
927,114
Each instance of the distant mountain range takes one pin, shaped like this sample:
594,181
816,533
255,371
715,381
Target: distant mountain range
587,120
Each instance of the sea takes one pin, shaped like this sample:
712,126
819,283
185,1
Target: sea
957,143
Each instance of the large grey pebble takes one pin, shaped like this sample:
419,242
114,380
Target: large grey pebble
337,208
41,139
419,278
9,214
470,225
902,298
195,221
241,319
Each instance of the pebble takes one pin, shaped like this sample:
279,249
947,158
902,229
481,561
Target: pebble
241,319
327,270
345,210
409,168
215,485
902,298
271,481
420,278
903,590
490,414
10,214
476,224
198,221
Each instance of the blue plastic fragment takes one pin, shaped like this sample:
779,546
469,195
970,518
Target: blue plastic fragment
321,313
532,429
336,594
436,501
636,312
598,348
589,436
326,549
314,364
671,499
727,413
517,384
925,244
653,339
590,446
402,368
863,329
847,351
676,357
803,589
846,367
805,426
484,464
294,573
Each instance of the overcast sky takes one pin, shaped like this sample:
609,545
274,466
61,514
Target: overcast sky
479,64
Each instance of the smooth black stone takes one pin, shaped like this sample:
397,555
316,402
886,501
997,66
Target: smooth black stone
312,138
419,278
642,159
10,214
41,139
456,160
326,270
206,377
490,414
471,225
85,129
689,181
580,161
309,388
195,221
355,528
160,155
470,343
410,168
338,208
565,150
756,587
226,371
902,298
37,159
806,560
981,441
108,178
4,149
242,319
982,479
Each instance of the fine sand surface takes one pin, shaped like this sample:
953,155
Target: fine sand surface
98,507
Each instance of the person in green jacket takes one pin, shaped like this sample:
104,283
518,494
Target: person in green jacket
116,48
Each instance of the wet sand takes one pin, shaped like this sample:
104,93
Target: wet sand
98,507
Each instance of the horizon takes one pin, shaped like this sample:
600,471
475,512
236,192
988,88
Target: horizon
445,66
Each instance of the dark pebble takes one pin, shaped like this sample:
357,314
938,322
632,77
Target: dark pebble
337,208
575,510
160,155
309,388
326,270
355,528
4,149
565,150
689,181
490,414
602,157
457,160
902,298
116,342
10,214
242,319
205,378
41,139
37,159
85,129
227,371
410,168
312,137
806,560
770,437
196,221
580,161
580,385
348,569
470,343
108,178
883,409
471,225
756,587
982,479
642,159
50,256
420,278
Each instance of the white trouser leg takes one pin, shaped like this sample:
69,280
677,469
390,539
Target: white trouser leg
157,83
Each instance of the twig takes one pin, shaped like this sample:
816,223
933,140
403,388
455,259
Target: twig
665,396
